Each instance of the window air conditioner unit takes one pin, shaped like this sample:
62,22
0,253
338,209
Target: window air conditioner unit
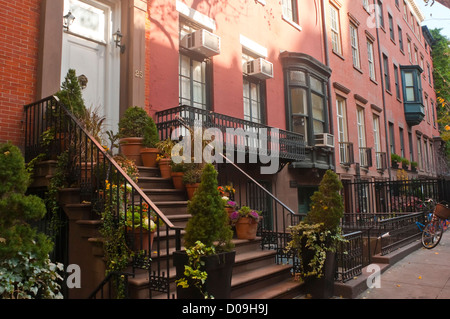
324,140
259,68
202,41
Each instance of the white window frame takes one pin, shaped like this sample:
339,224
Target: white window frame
355,46
371,60
335,30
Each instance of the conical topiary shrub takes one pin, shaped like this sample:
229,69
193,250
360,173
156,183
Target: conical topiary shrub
204,270
314,240
327,206
209,221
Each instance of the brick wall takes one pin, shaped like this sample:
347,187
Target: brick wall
19,34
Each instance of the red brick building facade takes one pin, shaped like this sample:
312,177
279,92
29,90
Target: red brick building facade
334,67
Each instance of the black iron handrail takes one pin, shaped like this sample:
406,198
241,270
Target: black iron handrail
112,276
273,236
104,182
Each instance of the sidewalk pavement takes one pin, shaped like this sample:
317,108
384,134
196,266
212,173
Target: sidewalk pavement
422,274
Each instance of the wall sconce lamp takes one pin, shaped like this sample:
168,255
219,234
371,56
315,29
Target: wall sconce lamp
118,40
68,20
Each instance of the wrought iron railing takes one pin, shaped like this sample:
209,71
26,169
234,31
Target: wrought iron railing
105,184
381,160
365,157
399,231
349,257
238,134
107,289
277,216
346,156
365,197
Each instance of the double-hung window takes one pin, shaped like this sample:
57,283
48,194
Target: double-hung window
400,38
391,28
192,75
345,155
360,124
387,81
371,60
290,10
254,96
335,30
355,45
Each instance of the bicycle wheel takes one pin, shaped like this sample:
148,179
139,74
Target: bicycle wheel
432,234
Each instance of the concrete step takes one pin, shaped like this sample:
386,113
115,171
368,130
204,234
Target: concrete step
155,183
165,194
148,171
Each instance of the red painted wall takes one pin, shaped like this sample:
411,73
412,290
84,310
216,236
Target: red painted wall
358,81
19,33
261,23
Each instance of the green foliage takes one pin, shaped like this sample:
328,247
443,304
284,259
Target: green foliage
70,94
395,158
327,206
441,80
320,231
137,123
209,221
25,270
193,273
193,173
26,276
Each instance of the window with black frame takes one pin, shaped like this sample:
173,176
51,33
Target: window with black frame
307,104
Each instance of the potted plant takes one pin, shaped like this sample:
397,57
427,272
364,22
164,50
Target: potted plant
165,157
133,128
71,97
149,151
395,159
208,227
230,206
414,166
246,222
140,226
405,163
192,178
178,170
314,240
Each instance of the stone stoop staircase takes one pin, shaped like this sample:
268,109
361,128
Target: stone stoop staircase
255,273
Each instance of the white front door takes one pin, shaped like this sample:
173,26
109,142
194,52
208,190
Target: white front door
88,48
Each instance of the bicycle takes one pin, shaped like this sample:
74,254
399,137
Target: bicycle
432,233
427,206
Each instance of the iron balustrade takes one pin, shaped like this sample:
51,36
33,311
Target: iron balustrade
349,257
346,156
106,289
399,231
104,184
290,145
391,196
365,157
381,160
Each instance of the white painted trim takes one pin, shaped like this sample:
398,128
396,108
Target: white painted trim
253,46
196,16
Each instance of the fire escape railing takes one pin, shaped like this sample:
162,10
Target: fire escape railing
105,184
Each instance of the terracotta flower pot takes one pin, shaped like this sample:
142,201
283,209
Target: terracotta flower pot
177,178
164,167
191,188
246,228
135,239
131,148
148,156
